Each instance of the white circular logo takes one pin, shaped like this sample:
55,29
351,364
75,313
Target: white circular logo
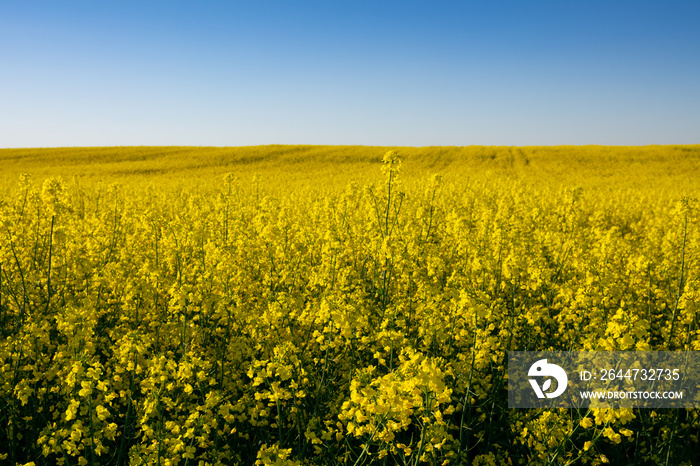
542,369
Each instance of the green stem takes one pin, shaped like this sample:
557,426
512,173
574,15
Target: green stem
48,275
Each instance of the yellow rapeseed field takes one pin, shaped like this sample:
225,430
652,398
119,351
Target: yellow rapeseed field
329,305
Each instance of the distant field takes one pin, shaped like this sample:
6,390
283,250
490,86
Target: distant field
631,166
326,305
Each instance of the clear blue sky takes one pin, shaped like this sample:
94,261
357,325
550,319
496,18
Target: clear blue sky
81,73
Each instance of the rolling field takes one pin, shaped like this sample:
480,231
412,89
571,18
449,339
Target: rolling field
336,304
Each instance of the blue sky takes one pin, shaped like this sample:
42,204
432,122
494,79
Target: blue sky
105,73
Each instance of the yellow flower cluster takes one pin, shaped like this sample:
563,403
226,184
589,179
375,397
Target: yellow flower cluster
330,306
382,408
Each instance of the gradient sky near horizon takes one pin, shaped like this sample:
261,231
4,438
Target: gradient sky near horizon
411,73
